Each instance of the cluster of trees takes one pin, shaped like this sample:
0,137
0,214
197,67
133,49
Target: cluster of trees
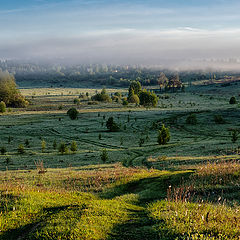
9,94
142,97
173,83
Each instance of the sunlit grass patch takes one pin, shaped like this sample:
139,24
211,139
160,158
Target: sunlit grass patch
185,220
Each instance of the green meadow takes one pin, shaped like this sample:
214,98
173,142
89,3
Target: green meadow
186,189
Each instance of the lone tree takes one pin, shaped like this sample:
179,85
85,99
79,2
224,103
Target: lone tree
9,93
111,125
72,113
234,135
232,100
21,149
3,150
163,135
54,144
43,145
104,155
73,147
62,148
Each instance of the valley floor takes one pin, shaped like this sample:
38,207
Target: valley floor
186,189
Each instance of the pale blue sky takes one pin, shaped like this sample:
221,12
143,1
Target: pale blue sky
103,30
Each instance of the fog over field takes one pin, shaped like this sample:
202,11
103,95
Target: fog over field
177,34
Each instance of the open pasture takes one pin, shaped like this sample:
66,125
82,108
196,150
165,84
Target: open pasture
135,143
185,189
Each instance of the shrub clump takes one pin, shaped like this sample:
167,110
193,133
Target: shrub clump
102,97
148,99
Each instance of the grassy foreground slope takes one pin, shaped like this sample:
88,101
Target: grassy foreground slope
113,202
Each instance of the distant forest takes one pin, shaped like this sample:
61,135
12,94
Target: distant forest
29,74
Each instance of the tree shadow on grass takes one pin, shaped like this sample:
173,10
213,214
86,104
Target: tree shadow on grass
7,200
141,225
148,189
23,232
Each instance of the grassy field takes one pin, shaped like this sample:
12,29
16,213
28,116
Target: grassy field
187,189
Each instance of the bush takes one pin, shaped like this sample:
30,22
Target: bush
125,102
76,101
191,119
74,147
141,142
54,144
111,125
27,143
234,135
118,94
219,119
134,99
163,135
93,103
43,145
3,150
72,113
21,149
62,148
8,160
10,139
232,100
102,97
2,107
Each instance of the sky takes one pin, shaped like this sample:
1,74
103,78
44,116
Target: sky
120,32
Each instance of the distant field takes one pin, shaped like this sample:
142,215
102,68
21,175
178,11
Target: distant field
63,91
